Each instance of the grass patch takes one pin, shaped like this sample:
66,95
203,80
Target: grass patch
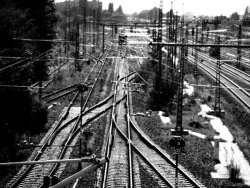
198,155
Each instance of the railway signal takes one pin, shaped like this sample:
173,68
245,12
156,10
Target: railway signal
81,88
131,29
116,30
122,39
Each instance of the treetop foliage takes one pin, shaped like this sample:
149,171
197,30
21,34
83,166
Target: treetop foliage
25,19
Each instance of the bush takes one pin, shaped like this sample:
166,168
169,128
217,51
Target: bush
214,52
234,173
195,124
209,99
38,117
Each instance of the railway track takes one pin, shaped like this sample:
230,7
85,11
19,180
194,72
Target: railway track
235,90
73,88
55,143
51,74
128,146
227,69
232,55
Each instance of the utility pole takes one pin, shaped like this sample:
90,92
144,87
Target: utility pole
238,65
94,30
196,57
69,25
207,34
154,39
175,38
158,80
192,40
112,30
68,13
217,108
84,30
81,88
40,90
103,37
177,141
77,33
98,24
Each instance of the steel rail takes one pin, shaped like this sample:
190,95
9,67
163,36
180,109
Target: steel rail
87,99
236,95
51,73
200,45
76,128
111,129
43,147
162,154
228,67
141,155
130,161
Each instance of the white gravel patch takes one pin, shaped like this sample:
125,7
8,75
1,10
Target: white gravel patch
229,152
197,134
165,120
189,90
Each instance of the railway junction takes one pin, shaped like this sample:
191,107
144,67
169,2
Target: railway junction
145,103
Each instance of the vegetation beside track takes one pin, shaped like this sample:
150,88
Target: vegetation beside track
95,143
66,77
198,154
236,118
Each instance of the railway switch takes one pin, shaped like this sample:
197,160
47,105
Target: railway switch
49,181
82,87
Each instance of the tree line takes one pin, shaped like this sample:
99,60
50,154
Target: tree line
21,111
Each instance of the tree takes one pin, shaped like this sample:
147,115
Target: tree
246,17
235,16
119,10
111,8
247,11
23,19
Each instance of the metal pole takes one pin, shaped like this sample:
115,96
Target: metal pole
40,90
103,37
176,168
217,108
238,65
201,45
112,29
79,174
196,57
84,159
80,140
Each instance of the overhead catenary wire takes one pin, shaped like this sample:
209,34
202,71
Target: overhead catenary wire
19,86
23,61
9,57
141,77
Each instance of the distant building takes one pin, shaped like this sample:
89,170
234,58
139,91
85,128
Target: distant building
91,5
94,4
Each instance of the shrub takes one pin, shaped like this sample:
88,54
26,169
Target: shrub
195,124
209,99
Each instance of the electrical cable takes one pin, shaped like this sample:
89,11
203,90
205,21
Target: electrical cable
22,61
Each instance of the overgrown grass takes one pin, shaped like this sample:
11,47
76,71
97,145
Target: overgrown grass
198,155
88,180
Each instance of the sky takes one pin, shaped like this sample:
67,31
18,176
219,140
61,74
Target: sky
197,7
